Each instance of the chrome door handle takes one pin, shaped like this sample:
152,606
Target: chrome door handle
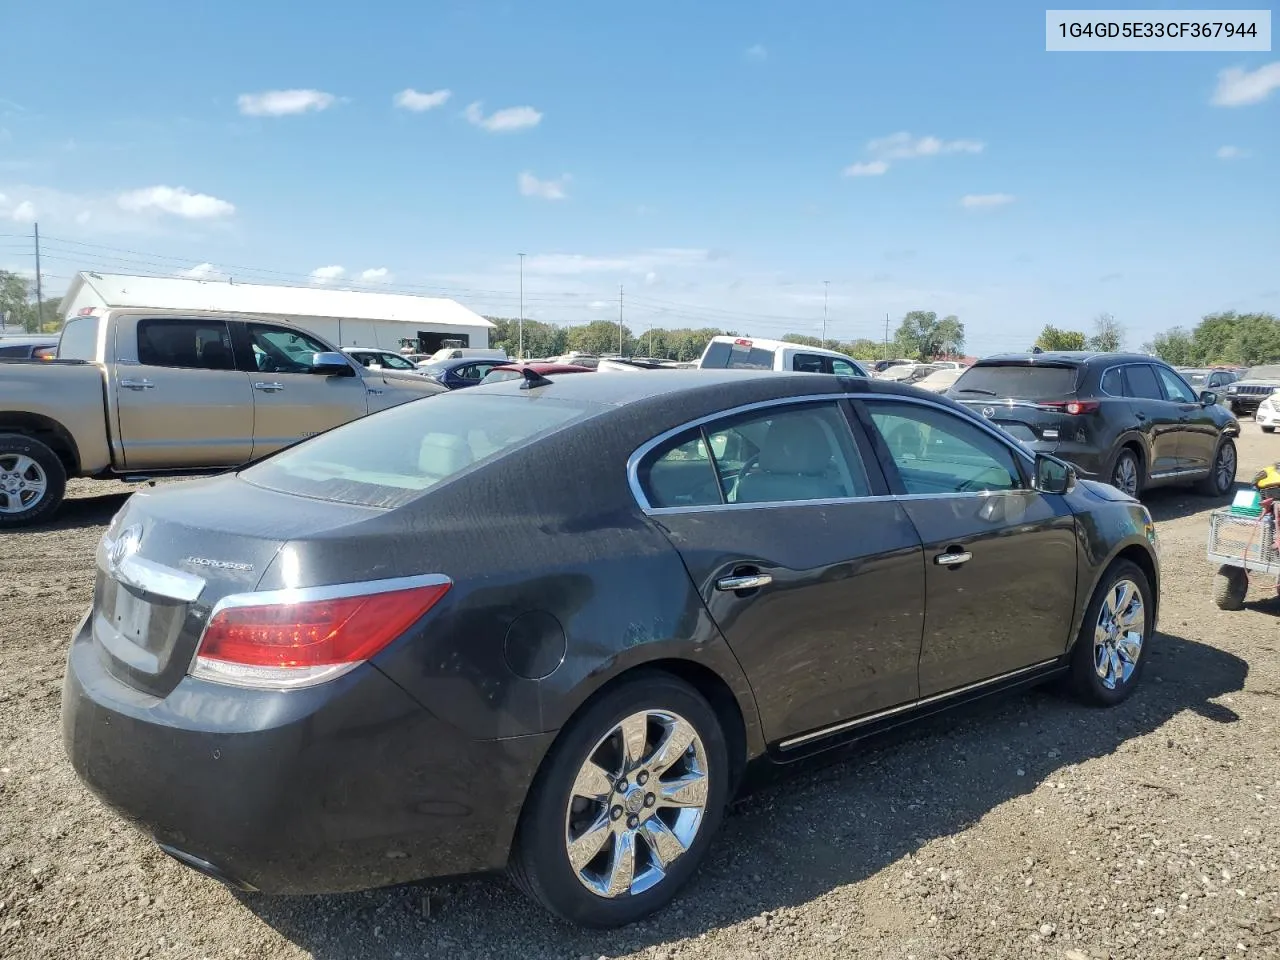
953,559
274,387
752,581
137,384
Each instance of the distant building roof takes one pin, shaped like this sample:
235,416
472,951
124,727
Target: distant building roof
179,293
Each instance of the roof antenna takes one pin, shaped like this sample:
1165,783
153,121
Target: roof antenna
533,379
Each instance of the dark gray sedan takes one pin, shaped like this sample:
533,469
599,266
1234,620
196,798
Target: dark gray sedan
548,624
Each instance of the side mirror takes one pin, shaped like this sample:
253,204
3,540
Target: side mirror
331,364
1053,475
1208,398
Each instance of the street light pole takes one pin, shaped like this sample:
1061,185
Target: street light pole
520,350
825,285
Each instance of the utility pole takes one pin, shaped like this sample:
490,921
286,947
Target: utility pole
39,293
886,336
619,319
825,286
651,342
520,351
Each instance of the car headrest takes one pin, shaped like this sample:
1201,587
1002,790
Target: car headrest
795,443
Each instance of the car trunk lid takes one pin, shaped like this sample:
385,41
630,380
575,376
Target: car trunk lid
167,560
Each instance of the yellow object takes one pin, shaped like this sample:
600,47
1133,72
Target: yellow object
1268,479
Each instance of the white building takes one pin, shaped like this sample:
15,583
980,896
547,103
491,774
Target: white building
346,318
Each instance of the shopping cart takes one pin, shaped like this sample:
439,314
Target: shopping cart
1241,544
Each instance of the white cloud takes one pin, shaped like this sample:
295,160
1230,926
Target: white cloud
974,201
411,99
575,264
178,201
25,212
281,103
903,146
1231,153
1238,87
203,271
531,186
651,278
502,121
872,168
324,275
757,53
376,275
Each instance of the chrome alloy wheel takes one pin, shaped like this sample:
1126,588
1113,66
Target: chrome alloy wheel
1119,634
1226,466
22,483
1126,475
636,804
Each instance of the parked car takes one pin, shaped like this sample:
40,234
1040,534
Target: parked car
1268,412
883,365
909,372
1128,420
136,395
378,359
1202,378
516,371
28,348
471,353
940,380
464,372
746,353
323,672
1254,385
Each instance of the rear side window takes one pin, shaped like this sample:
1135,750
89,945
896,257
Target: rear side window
1018,381
391,458
1141,382
196,344
736,356
79,339
680,473
1113,382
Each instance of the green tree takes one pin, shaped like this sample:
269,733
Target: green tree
803,339
599,337
1051,338
1175,346
923,336
540,339
1108,335
15,300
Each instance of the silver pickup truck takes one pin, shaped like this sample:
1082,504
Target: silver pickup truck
135,395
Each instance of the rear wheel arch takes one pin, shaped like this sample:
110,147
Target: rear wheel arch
49,432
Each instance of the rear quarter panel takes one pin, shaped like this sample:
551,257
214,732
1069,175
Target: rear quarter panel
70,395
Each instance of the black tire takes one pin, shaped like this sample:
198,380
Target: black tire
1084,680
1230,587
44,461
540,863
1222,475
1268,429
1125,458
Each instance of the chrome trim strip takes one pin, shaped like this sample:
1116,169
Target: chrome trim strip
804,738
633,462
1174,473
155,578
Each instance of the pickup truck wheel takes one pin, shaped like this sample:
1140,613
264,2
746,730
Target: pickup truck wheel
32,481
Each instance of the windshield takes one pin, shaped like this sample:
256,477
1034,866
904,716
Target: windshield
1270,371
392,360
393,457
1196,378
434,369
497,376
1017,381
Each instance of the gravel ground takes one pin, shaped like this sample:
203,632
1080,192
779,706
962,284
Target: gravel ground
1024,827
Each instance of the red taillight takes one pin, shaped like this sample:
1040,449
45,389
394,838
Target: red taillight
741,342
1073,407
282,642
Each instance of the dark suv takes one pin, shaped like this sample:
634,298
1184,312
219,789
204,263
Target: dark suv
1128,420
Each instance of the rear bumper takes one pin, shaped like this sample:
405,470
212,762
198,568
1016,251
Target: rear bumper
345,786
1089,462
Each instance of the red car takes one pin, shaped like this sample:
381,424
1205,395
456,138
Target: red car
514,371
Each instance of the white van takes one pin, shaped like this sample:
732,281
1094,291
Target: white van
749,353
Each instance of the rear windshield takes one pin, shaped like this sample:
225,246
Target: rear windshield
391,458
497,376
733,356
1017,382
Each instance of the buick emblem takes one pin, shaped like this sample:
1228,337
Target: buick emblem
125,545
988,412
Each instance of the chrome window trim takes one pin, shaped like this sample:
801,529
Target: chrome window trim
799,741
633,462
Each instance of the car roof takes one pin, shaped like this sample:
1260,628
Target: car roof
1077,357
